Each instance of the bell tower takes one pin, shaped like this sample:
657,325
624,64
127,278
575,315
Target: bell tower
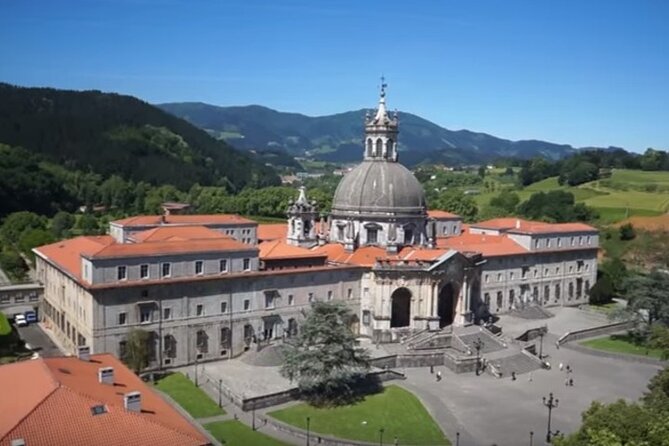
381,132
302,221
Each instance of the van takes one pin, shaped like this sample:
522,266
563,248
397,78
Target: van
31,316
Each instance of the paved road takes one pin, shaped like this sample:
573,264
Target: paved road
38,340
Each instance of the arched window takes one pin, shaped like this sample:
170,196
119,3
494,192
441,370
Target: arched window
202,341
379,147
389,146
369,147
170,346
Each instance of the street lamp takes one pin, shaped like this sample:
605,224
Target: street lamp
253,414
457,439
531,438
541,345
308,421
478,345
196,381
220,392
381,437
551,404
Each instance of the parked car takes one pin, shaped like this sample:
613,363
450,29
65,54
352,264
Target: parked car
31,316
20,320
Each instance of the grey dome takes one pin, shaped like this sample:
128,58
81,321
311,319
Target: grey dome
379,187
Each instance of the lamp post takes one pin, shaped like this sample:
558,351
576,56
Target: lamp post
478,345
541,345
457,439
551,403
196,380
531,438
308,422
381,437
253,416
220,392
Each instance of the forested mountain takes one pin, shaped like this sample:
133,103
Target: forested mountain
110,134
338,137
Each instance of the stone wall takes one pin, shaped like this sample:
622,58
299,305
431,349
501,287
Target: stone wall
595,331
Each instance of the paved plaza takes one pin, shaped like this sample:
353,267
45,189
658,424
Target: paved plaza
486,410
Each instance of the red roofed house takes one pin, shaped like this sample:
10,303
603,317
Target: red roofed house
209,287
86,400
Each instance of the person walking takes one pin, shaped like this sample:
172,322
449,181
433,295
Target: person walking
438,375
561,366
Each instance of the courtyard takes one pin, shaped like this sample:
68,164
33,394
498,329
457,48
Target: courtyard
485,410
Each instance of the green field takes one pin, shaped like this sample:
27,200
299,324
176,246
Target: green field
398,412
640,177
236,433
191,398
5,326
613,215
621,344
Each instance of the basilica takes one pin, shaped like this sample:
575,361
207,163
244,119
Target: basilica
209,287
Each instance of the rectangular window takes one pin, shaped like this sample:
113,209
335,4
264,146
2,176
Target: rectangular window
372,235
511,275
166,269
526,270
487,278
167,313
144,271
224,307
121,272
199,267
580,240
589,240
122,318
247,305
247,264
559,243
349,293
330,295
145,315
291,299
269,300
499,277
223,266
340,233
548,243
199,310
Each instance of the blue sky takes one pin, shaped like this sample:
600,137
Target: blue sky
572,71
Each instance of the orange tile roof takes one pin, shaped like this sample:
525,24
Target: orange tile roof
488,245
277,249
202,219
173,233
55,397
160,248
272,231
365,256
531,227
67,253
436,214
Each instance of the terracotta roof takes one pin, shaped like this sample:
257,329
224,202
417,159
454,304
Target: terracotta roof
213,219
273,231
531,227
278,249
365,256
488,245
173,233
436,214
56,398
67,253
160,248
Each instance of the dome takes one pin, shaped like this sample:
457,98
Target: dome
379,188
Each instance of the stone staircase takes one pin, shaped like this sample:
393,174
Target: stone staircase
520,363
532,312
490,344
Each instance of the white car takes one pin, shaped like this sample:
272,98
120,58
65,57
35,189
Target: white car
20,320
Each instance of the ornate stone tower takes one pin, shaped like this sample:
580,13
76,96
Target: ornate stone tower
380,202
302,221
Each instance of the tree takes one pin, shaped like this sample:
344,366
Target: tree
481,171
556,206
627,232
616,270
18,222
137,349
61,223
458,203
88,224
602,292
324,359
32,238
648,299
506,200
659,339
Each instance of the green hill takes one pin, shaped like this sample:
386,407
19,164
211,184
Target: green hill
338,137
112,134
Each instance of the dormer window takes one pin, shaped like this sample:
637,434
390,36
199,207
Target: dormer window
223,266
166,270
408,236
144,271
372,235
121,272
199,267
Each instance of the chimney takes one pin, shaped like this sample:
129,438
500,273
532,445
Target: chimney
132,401
84,352
106,375
517,223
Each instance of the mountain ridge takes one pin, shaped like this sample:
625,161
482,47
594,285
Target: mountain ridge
338,137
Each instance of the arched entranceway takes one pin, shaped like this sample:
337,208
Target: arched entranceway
446,305
400,314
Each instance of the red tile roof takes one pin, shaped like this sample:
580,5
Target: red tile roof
160,248
278,249
488,245
273,231
53,402
436,214
532,227
173,233
67,254
213,219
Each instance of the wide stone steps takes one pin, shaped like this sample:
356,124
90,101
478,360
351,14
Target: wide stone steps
532,312
519,363
489,343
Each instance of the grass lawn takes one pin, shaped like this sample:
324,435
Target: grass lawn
621,344
613,215
395,410
631,199
640,177
5,326
236,433
191,398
